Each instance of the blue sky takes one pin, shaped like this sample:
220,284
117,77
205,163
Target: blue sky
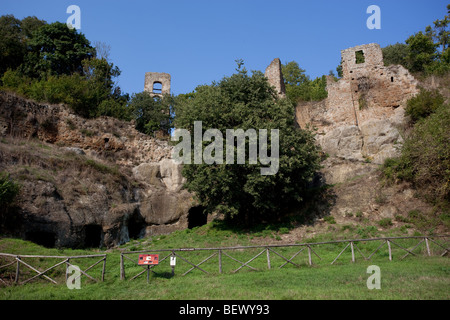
198,41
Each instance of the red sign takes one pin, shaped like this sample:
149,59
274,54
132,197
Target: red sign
148,259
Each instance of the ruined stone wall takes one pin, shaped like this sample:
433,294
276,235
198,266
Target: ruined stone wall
275,77
359,118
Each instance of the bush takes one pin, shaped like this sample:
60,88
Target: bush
8,190
385,222
425,158
423,104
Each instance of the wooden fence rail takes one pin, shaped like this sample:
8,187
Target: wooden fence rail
67,260
222,253
225,252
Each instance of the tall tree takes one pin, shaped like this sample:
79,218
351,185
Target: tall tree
237,190
55,49
421,52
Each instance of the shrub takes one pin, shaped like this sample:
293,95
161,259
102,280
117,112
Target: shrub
385,222
423,104
330,219
8,190
425,157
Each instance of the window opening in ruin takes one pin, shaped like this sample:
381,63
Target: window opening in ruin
359,55
197,217
157,87
93,236
42,238
392,79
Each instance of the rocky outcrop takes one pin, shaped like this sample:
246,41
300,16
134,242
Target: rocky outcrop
358,127
87,182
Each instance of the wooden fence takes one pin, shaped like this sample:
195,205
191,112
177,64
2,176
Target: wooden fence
19,260
270,250
237,256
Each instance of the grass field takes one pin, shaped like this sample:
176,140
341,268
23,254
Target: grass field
413,278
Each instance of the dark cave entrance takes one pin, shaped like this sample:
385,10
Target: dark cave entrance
43,238
197,217
92,236
136,225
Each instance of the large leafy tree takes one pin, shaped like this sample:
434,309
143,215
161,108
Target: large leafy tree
56,50
421,51
152,113
240,191
14,34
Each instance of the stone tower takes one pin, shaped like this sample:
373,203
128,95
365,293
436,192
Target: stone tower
157,83
275,76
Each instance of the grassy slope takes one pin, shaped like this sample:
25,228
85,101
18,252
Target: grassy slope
417,277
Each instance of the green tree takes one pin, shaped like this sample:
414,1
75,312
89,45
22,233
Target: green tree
55,49
298,85
441,32
14,34
12,49
421,52
395,54
240,191
152,113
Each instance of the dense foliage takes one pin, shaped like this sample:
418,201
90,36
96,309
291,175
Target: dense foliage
423,104
152,113
53,63
299,87
425,157
240,190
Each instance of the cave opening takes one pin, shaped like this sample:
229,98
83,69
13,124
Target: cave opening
93,236
197,217
136,226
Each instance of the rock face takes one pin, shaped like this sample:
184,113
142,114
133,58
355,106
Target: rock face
358,127
86,182
361,117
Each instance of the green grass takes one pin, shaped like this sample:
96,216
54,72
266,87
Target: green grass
415,277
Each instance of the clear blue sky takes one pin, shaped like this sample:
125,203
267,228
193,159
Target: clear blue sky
198,41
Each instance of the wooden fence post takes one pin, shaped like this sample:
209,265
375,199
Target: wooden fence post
104,269
309,255
17,270
122,269
428,246
353,251
220,260
268,258
390,251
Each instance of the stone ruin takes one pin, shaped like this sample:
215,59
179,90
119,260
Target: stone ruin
157,83
275,77
359,119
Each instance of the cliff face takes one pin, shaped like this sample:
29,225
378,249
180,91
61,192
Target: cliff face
358,126
93,182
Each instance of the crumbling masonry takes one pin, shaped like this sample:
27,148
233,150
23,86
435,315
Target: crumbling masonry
359,119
